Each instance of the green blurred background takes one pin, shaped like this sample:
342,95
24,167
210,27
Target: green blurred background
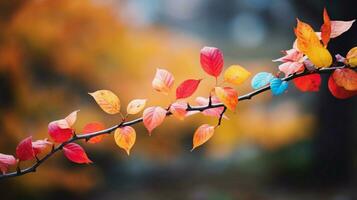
52,53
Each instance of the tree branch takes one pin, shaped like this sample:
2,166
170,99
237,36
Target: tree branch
86,137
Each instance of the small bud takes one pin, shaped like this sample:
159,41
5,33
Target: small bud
351,57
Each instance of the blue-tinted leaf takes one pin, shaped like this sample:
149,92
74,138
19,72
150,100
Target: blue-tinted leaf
278,86
261,79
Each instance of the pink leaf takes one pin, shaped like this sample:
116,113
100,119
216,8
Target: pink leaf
39,145
291,67
187,88
163,81
213,112
153,117
339,27
212,61
178,109
75,153
24,150
6,161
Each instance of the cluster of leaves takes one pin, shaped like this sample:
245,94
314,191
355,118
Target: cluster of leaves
309,53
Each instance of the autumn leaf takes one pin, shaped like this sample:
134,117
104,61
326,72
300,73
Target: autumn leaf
351,57
75,153
187,88
236,75
6,161
211,59
202,135
125,138
178,110
71,118
60,131
153,117
346,78
107,100
228,96
163,81
213,112
339,92
39,145
310,45
24,150
308,83
94,127
339,27
135,106
326,28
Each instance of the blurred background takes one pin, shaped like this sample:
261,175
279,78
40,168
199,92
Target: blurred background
52,53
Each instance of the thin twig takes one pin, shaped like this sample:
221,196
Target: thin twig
88,136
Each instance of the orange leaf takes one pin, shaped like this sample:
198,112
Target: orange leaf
309,43
339,92
178,109
153,117
346,78
202,135
94,127
125,138
107,100
326,28
228,96
163,81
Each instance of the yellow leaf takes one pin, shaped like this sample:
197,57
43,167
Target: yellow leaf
228,96
107,100
236,74
319,56
135,106
125,138
202,135
351,57
309,43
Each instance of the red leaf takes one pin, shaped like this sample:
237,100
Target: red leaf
308,83
212,60
6,161
39,145
24,150
94,127
75,153
326,28
60,131
339,92
187,88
